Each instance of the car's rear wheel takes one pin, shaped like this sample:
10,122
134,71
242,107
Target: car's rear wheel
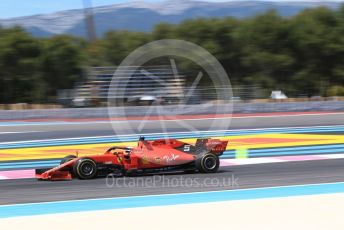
207,163
85,168
67,158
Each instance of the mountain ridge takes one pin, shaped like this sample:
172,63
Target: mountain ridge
128,16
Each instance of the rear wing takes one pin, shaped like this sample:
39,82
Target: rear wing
215,146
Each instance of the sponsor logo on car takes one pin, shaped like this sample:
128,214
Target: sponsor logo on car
170,158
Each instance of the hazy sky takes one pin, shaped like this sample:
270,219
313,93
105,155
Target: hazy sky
16,8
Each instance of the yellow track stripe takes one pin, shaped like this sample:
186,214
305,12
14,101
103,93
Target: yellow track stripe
235,142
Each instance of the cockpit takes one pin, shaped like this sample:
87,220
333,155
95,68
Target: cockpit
119,150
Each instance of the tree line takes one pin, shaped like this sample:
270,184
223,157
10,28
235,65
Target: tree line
302,55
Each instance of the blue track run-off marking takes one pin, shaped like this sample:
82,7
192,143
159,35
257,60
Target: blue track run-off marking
162,200
112,139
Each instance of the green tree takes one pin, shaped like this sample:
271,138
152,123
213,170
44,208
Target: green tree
265,55
317,48
19,53
303,54
118,45
163,31
61,63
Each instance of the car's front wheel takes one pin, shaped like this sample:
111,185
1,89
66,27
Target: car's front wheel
85,168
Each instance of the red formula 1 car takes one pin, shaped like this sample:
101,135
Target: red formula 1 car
148,157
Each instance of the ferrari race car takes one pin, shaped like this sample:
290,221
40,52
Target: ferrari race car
148,157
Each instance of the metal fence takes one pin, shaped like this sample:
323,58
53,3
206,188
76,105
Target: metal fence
133,85
238,107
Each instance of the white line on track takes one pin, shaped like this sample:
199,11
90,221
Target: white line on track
334,156
3,133
167,120
251,161
173,133
243,117
291,115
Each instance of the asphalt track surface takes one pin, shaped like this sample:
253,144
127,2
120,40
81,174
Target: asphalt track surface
36,131
234,177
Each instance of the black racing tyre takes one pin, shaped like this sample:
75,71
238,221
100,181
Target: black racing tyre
207,163
85,168
67,158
